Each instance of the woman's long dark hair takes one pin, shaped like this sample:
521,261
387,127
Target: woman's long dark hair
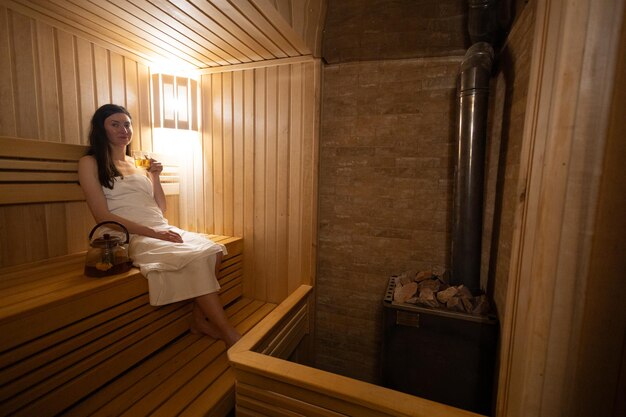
99,144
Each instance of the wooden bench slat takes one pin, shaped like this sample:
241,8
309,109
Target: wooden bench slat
148,340
77,346
39,149
191,385
38,171
231,295
72,355
20,274
178,382
112,368
37,287
79,288
23,271
43,319
235,276
160,378
190,380
38,165
17,285
109,399
52,339
286,340
35,193
193,388
39,177
114,399
219,398
248,393
186,370
134,401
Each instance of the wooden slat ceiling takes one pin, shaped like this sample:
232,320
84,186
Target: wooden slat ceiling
188,33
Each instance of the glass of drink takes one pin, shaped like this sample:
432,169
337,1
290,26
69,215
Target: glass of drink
142,159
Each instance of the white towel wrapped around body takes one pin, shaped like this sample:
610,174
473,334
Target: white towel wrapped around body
175,271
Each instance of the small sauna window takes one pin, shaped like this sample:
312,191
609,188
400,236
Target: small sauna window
174,102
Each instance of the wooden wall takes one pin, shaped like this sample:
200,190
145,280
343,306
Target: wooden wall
563,328
260,170
306,17
255,175
51,82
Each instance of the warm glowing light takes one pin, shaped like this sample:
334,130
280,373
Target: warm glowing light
175,142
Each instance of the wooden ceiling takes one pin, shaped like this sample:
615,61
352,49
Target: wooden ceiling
189,33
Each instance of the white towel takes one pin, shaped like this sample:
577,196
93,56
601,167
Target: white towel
175,271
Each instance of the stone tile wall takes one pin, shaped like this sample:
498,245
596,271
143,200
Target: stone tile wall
360,30
385,184
385,194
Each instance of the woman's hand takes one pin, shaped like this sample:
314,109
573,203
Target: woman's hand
154,173
155,168
167,235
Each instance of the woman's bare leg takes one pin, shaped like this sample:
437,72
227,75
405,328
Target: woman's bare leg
211,307
209,315
202,325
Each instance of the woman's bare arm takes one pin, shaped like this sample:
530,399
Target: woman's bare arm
154,173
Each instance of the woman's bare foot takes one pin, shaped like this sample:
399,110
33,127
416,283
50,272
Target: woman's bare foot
205,328
231,337
210,319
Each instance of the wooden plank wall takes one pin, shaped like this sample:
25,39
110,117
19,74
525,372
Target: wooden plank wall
306,17
51,82
260,170
257,176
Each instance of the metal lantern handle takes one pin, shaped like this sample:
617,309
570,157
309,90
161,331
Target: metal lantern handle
110,222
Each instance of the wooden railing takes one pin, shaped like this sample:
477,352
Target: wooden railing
269,384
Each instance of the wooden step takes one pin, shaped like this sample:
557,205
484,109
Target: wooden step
189,377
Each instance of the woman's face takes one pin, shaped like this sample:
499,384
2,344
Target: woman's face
119,129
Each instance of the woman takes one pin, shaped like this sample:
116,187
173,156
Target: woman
179,265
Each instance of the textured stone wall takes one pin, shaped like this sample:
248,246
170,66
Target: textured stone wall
385,194
362,30
386,149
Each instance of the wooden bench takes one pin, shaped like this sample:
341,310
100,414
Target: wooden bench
77,345
274,376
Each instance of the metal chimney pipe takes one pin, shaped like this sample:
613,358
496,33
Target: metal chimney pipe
482,20
472,101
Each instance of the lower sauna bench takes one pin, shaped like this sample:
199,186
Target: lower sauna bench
76,345
274,380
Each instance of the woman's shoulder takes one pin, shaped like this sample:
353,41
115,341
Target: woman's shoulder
87,161
85,158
